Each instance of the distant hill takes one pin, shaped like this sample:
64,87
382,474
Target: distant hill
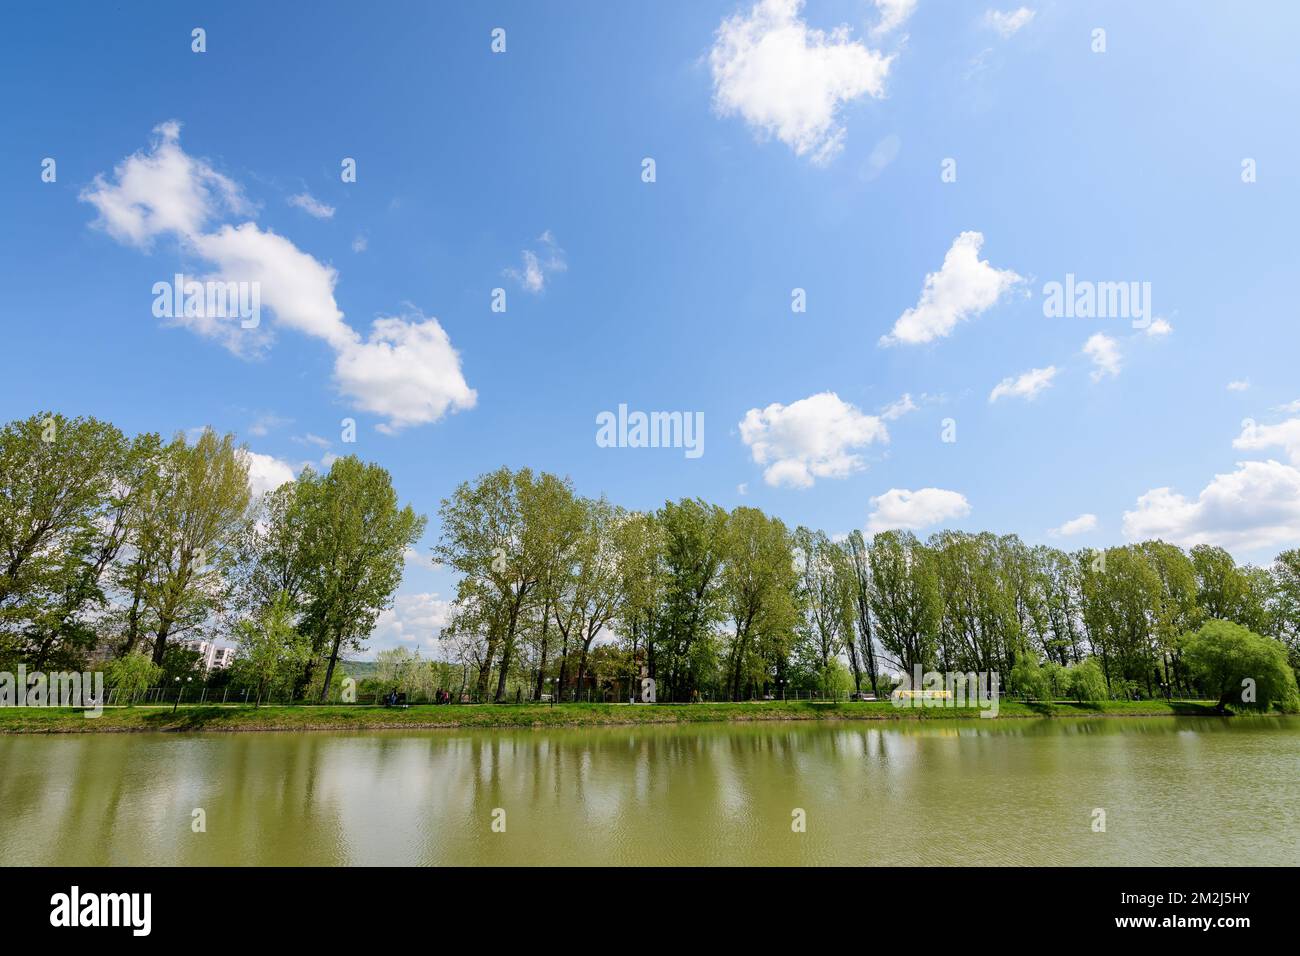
359,669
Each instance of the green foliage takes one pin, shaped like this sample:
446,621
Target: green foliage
193,516
760,596
131,675
1241,668
1286,580
1029,680
121,545
272,652
905,599
834,680
68,497
180,662
1086,681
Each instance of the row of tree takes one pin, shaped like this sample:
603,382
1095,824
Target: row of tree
114,548
735,605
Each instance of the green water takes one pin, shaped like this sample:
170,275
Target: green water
1174,791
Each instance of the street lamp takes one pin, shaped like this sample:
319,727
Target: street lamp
179,691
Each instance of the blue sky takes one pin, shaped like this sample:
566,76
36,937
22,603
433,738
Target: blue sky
795,146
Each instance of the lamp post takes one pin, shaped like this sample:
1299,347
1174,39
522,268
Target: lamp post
179,691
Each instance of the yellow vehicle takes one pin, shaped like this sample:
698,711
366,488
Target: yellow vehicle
922,695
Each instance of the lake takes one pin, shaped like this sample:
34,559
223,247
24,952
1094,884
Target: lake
1174,791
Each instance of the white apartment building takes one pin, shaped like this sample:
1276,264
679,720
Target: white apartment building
211,657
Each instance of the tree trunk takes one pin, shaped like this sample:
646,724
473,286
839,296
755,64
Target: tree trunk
857,669
564,660
329,671
541,668
507,650
132,625
582,661
160,641
485,670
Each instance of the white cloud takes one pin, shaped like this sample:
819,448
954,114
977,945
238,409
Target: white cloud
884,153
1240,385
742,488
964,286
901,509
413,619
789,80
539,264
359,244
264,424
294,285
1158,328
1289,407
893,14
1026,385
809,439
406,370
1285,435
161,191
1255,507
1085,522
1008,22
413,558
311,439
1104,352
312,206
897,409
266,472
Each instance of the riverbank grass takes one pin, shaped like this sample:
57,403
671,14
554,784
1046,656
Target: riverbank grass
215,717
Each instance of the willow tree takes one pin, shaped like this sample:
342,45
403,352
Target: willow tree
1241,668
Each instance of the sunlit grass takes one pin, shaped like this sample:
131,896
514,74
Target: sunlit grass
216,717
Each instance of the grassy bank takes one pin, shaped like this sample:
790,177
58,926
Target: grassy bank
19,720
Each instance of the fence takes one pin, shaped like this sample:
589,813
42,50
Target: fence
228,695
